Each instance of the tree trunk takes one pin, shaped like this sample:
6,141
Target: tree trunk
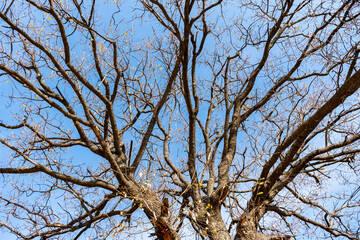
216,228
247,230
247,226
164,230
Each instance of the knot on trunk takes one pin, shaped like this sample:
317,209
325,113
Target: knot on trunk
162,229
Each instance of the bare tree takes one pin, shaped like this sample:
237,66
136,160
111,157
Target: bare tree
215,119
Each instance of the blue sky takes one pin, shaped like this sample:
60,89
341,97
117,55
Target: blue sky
141,32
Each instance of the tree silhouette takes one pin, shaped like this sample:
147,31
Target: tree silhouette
176,119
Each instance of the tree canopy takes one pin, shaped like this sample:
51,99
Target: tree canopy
180,119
